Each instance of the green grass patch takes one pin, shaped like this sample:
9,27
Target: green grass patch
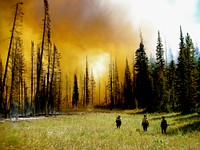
97,130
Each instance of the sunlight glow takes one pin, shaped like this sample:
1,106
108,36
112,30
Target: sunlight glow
99,65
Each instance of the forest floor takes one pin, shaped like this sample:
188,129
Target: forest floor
97,130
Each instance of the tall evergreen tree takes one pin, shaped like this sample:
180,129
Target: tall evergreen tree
171,78
181,86
75,96
160,62
186,75
161,100
191,67
127,88
143,89
87,100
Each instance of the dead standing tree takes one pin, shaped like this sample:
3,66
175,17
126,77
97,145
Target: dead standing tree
18,13
32,75
55,83
17,77
45,42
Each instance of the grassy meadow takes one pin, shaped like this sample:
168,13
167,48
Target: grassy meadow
97,130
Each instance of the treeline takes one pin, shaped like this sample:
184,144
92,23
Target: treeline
153,84
173,86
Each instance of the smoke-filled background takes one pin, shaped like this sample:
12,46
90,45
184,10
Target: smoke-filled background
100,28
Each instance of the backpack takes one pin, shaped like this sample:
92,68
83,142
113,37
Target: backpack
145,121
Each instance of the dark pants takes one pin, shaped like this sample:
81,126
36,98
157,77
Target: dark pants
145,127
164,130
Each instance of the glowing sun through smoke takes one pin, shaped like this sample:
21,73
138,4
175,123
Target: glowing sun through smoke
99,65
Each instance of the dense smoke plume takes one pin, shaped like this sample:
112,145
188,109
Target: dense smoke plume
79,28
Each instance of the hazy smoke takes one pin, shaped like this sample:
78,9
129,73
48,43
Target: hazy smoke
79,28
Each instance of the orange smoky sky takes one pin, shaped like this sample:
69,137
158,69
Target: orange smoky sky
100,28
96,28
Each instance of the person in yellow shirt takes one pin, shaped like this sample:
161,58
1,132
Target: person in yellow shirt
145,123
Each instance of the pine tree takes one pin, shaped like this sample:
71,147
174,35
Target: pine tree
161,98
181,86
186,75
160,63
171,78
143,89
128,94
87,100
191,76
75,96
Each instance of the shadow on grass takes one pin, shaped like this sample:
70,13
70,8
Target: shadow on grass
188,118
166,116
195,126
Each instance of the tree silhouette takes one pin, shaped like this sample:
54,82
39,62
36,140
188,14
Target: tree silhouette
44,45
87,100
128,94
143,90
75,96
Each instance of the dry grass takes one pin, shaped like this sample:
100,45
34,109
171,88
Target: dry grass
98,131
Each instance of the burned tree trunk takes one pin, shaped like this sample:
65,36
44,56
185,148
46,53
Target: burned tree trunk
17,14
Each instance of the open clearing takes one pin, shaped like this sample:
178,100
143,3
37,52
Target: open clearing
92,130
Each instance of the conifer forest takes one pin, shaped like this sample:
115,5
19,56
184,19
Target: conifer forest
36,84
